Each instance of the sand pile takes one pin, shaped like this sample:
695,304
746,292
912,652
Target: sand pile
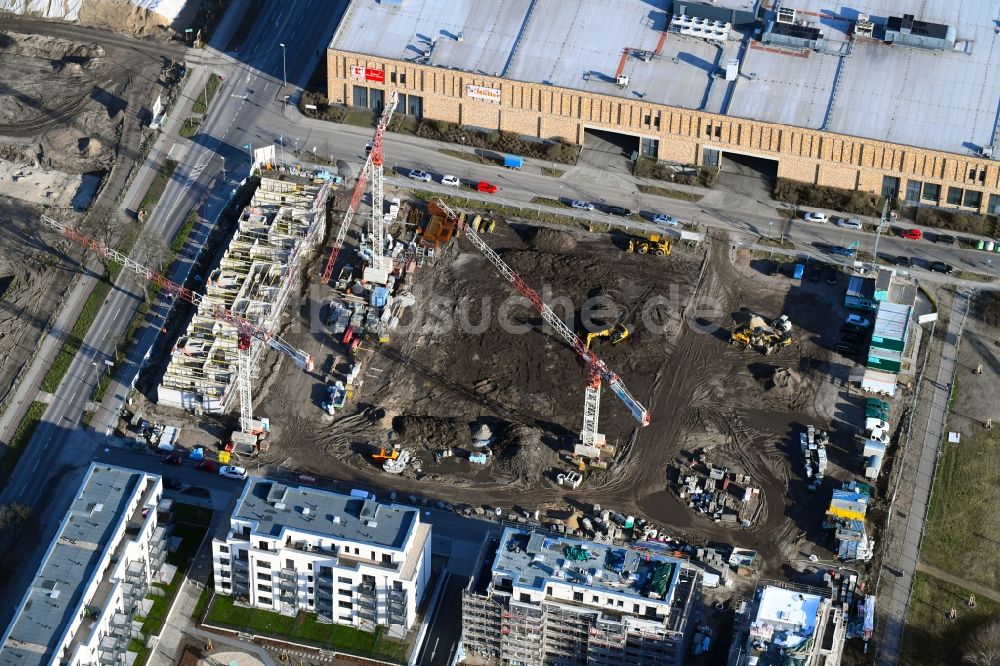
784,381
522,454
551,240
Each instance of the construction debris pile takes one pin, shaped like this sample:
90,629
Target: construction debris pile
813,445
722,496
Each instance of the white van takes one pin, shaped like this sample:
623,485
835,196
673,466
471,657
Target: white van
849,222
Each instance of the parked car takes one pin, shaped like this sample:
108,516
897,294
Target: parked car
579,204
486,187
667,220
815,217
450,180
911,234
368,147
207,465
858,320
233,472
620,211
171,459
849,223
941,267
843,251
943,239
416,174
904,261
815,273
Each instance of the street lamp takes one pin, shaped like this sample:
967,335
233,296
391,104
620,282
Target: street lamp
284,77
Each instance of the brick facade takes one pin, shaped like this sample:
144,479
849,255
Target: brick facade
537,110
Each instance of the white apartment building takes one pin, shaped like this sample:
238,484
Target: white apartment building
80,606
349,559
551,599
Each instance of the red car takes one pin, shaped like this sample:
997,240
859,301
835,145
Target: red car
207,465
911,234
172,459
485,187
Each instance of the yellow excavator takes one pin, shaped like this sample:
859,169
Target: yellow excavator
654,244
618,333
385,454
764,336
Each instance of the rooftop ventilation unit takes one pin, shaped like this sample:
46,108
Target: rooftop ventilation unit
786,15
622,81
864,27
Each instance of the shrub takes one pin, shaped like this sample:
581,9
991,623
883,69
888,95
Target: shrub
833,198
954,221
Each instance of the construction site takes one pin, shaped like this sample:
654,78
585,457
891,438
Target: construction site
423,357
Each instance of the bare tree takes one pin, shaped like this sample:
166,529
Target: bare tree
151,250
105,224
983,646
13,513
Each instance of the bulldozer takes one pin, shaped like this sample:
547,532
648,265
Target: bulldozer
654,244
763,336
618,333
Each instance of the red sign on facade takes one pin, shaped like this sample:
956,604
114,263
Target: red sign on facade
367,74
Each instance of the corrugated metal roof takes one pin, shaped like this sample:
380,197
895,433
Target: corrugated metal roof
891,321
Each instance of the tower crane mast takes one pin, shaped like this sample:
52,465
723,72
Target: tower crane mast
246,329
373,166
593,362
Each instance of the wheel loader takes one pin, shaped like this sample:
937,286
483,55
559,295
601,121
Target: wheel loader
654,244
761,335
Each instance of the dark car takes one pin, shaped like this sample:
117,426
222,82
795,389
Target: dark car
847,349
941,267
832,275
903,261
620,211
172,459
207,465
944,239
843,251
815,273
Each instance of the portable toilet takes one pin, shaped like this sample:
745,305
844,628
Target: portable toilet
979,244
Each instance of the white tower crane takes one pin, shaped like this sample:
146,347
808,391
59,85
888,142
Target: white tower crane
246,330
594,363
380,263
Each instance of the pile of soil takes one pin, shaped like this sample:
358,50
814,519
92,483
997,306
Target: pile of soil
785,381
431,432
521,453
551,240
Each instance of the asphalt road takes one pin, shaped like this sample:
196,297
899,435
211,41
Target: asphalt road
445,629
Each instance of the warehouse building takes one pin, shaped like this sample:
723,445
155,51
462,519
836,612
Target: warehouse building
543,598
91,584
895,97
346,558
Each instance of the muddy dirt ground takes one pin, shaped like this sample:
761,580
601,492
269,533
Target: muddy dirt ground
70,109
434,382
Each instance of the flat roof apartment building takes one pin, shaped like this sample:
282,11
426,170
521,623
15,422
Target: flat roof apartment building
351,560
548,599
94,576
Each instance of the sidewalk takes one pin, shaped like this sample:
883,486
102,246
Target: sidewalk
905,529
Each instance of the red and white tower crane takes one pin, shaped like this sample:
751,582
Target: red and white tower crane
597,369
246,330
380,264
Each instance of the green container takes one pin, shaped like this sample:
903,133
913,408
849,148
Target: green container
980,244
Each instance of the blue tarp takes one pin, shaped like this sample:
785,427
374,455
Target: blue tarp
513,161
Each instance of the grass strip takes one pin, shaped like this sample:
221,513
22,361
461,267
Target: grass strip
190,127
468,157
305,628
15,447
554,173
667,192
207,94
159,184
71,346
545,201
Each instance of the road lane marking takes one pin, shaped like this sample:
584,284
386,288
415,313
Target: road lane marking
37,461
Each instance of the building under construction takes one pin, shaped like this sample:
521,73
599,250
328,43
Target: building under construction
253,280
543,598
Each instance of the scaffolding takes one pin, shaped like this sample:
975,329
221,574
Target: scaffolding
254,278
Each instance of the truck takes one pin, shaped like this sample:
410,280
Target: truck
513,161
